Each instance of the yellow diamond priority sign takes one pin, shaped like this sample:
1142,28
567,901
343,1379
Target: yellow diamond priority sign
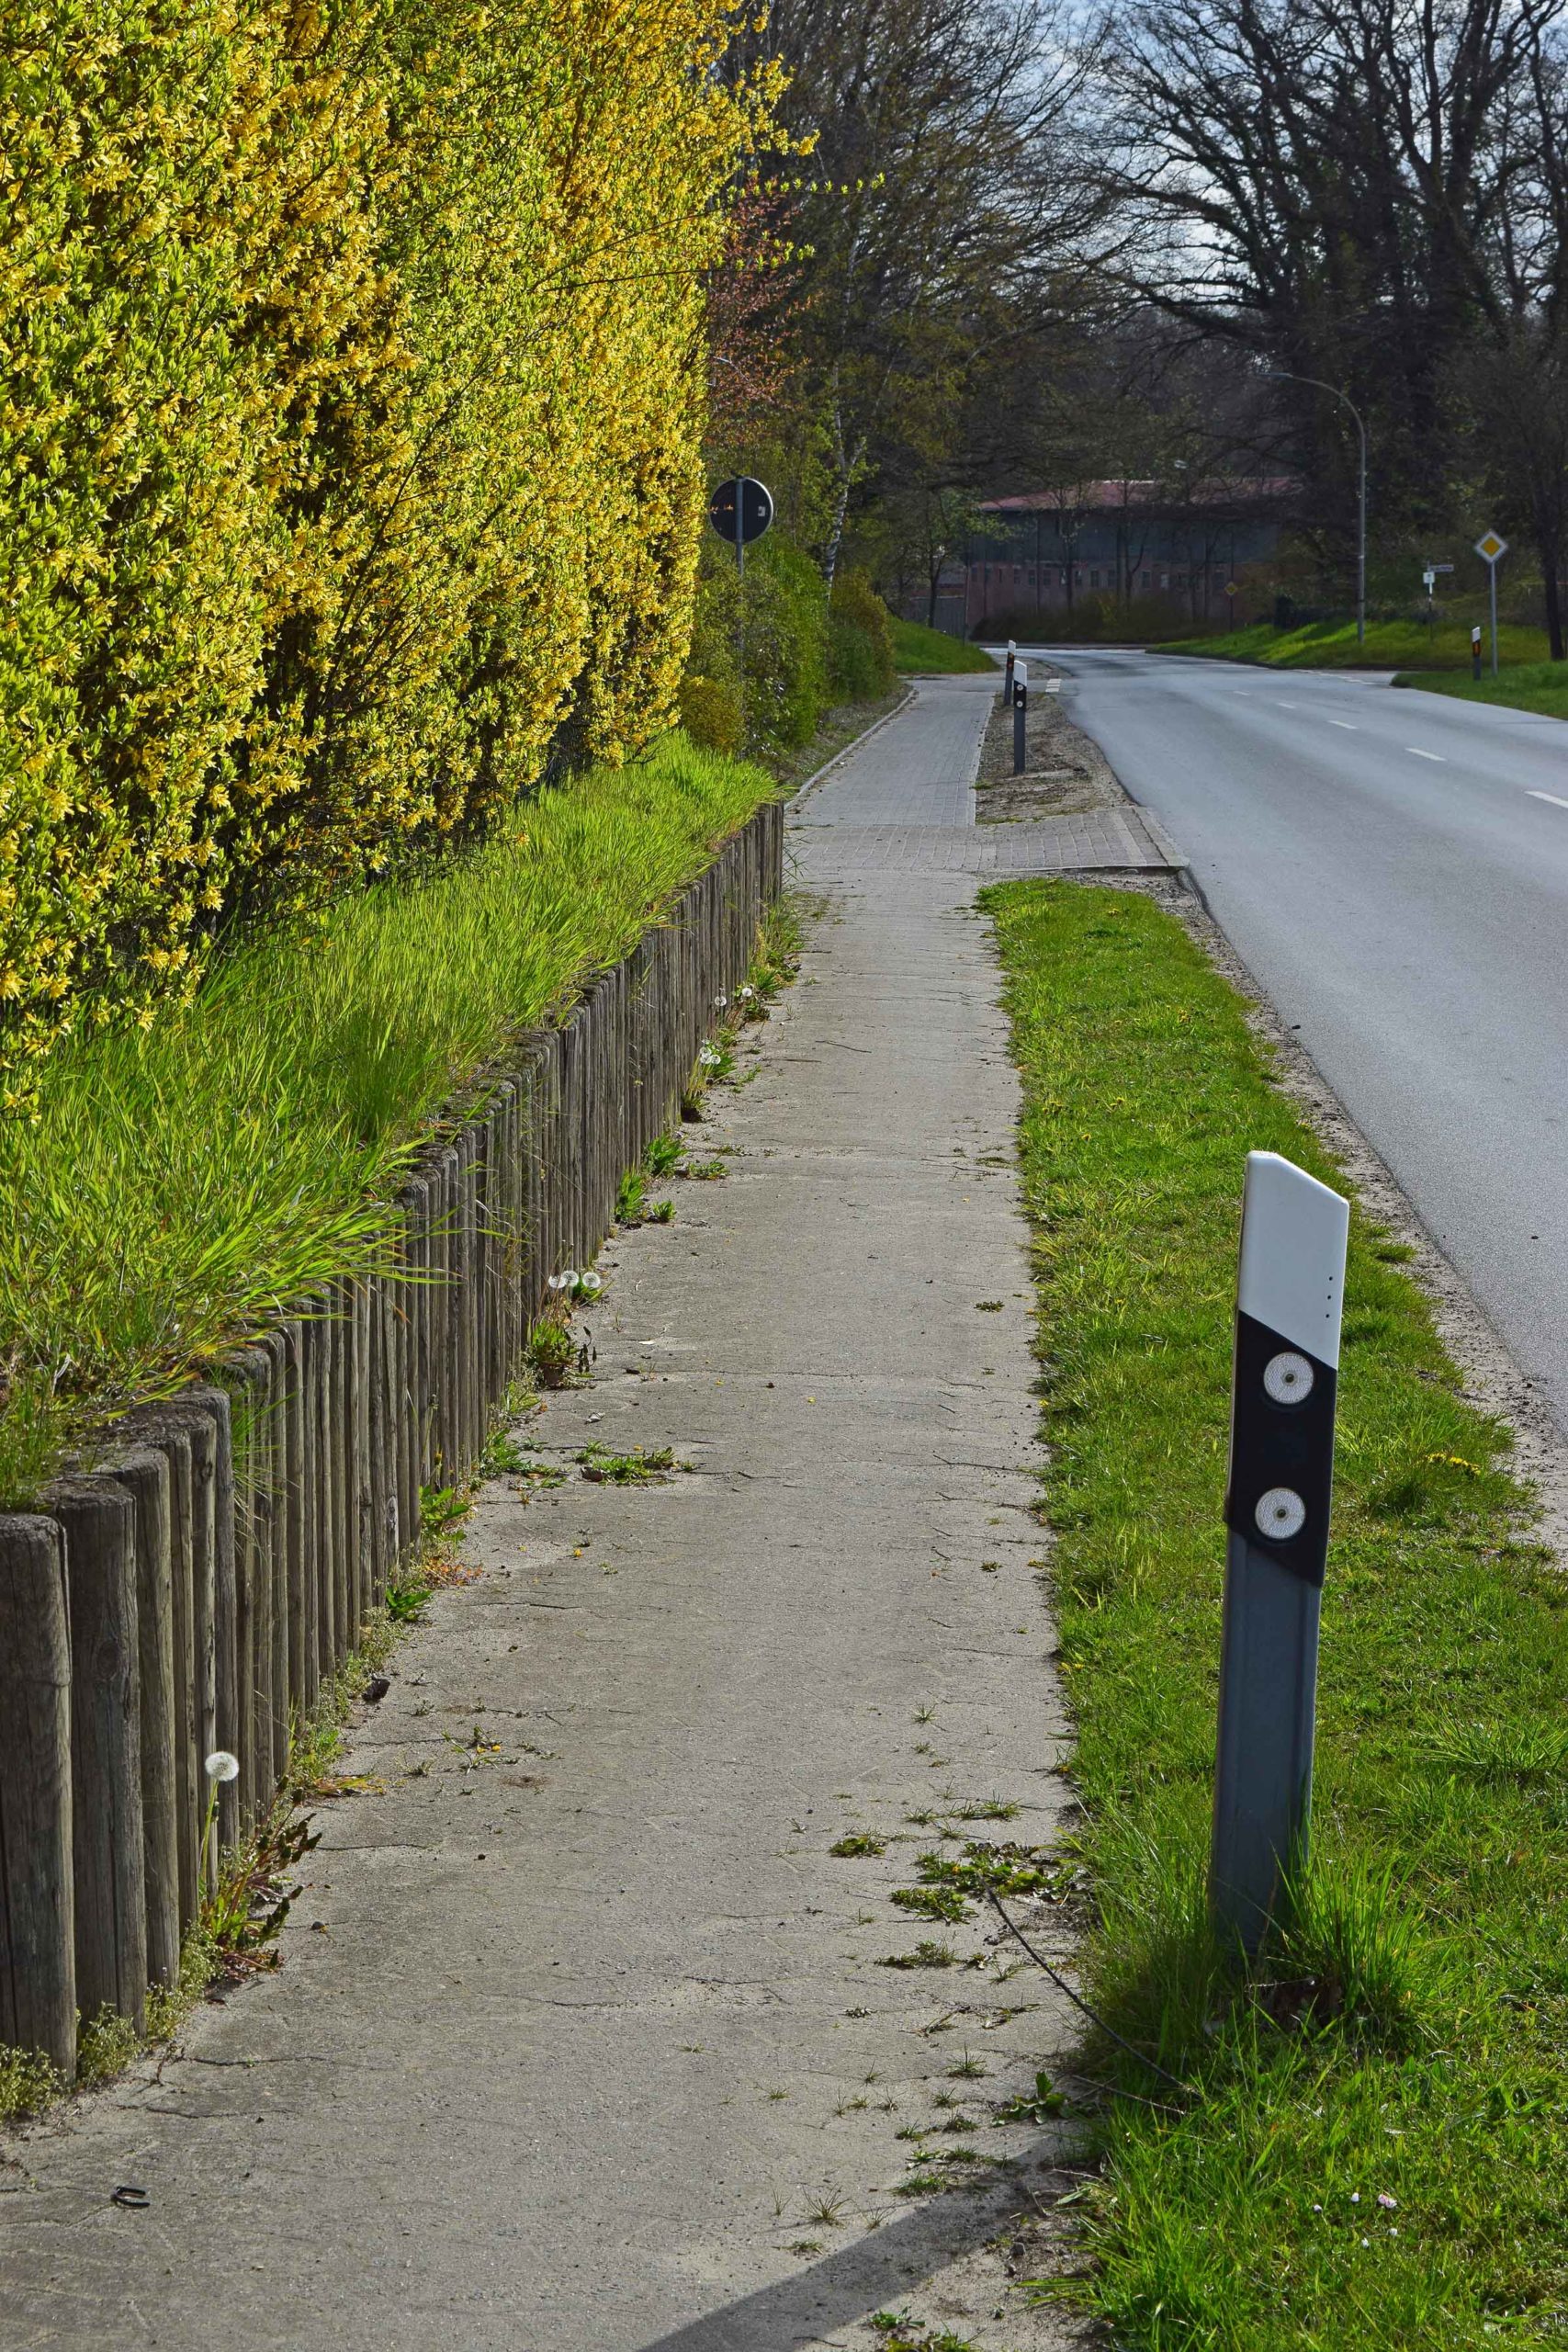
1491,546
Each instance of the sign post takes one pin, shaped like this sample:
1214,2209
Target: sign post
1232,591
740,510
1008,670
1492,549
1429,581
1289,1297
1019,714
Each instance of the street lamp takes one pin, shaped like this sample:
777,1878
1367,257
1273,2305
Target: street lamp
1286,376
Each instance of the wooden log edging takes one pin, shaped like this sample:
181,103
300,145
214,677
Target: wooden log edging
196,1582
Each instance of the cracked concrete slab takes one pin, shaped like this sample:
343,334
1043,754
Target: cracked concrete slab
585,2039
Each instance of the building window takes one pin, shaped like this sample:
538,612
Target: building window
1148,579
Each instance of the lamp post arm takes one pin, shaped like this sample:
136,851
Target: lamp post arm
1289,375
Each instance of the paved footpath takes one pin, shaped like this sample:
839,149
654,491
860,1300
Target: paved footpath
584,2040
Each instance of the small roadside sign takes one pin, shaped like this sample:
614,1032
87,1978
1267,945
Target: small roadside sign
1231,588
740,510
1491,546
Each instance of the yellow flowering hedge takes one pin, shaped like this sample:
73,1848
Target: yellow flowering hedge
350,364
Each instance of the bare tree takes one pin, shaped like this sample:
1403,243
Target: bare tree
1343,187
947,212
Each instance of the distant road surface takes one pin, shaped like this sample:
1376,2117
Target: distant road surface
1393,866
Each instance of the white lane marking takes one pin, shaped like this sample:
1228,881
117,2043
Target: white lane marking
1288,705
1349,725
1418,754
1549,795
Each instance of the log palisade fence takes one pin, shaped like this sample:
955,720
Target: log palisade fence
195,1585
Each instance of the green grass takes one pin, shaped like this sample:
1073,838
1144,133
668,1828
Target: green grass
1527,685
917,648
180,1185
1391,645
1409,2040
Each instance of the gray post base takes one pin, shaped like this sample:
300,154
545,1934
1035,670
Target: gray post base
1263,1769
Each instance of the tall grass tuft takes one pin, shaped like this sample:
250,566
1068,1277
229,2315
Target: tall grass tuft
181,1185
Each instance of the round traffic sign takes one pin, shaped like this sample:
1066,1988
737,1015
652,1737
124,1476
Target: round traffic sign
755,504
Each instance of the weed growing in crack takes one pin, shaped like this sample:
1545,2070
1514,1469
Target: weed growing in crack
1004,1867
637,1468
502,1457
899,2333
859,1841
1033,2106
928,1954
555,1358
933,1903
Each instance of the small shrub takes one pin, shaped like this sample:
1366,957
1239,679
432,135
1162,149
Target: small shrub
852,664
786,645
711,713
860,639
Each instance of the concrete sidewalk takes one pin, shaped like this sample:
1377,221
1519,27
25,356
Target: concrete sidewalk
584,2040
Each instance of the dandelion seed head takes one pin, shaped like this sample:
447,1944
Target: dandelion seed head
221,1766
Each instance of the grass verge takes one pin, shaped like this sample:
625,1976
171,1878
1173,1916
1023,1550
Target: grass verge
917,648
1375,2152
1528,686
175,1186
1331,645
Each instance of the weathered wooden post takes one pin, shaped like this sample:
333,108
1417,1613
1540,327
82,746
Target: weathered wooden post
143,1470
98,1519
37,1932
166,1432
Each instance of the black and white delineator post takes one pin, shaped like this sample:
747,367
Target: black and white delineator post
1008,670
1019,714
1289,1297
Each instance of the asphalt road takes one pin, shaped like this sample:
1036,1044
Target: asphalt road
1393,866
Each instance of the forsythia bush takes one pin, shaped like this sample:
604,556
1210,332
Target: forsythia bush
351,379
